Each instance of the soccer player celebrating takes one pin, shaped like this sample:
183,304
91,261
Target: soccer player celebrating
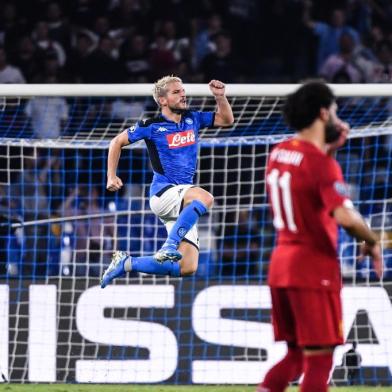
309,198
171,140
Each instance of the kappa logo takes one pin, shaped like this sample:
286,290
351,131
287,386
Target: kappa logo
189,121
161,129
181,139
132,128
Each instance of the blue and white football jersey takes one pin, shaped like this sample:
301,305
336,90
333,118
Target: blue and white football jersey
172,147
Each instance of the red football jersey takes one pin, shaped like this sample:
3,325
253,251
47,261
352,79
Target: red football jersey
304,186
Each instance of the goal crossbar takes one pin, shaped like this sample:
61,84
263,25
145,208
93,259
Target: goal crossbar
201,90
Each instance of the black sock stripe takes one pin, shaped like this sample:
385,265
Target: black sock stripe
197,212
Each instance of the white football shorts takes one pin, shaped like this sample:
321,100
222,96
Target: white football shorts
167,206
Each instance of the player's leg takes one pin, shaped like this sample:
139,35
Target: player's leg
190,257
167,206
195,203
319,325
122,262
317,367
290,367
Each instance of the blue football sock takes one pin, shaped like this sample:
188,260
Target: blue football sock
149,265
185,221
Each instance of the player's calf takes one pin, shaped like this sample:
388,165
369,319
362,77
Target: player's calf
316,372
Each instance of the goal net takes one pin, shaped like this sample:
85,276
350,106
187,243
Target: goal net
59,226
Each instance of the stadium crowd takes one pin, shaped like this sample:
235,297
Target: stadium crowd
248,41
136,41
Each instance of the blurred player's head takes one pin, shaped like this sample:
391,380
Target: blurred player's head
313,101
338,17
169,93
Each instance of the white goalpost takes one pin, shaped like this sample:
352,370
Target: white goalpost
58,227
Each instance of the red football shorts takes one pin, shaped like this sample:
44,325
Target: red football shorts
307,317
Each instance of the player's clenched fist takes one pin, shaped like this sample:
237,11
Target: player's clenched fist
217,87
114,184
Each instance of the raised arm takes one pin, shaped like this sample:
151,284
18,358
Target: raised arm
344,129
114,183
353,222
224,115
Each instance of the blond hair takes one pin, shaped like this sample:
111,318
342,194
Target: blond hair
160,86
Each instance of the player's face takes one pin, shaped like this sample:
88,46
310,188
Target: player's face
176,98
332,131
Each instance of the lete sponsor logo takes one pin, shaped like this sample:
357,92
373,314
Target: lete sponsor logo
181,139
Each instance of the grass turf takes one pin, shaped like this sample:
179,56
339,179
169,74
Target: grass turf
156,388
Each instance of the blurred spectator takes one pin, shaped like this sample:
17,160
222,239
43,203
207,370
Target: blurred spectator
203,43
135,57
241,245
342,67
51,72
329,33
221,64
123,108
93,236
84,12
179,45
131,15
58,27
9,73
42,39
11,27
243,18
293,40
381,70
162,60
48,115
10,240
359,15
28,58
352,362
381,13
103,27
185,72
161,10
30,193
101,66
77,60
297,48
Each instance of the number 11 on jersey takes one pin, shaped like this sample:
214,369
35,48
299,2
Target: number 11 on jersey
281,183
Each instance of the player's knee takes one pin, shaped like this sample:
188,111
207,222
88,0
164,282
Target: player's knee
199,194
316,350
208,200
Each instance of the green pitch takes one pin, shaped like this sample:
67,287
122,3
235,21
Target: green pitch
155,388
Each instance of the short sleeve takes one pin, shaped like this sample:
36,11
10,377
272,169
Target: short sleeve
206,119
333,189
139,131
